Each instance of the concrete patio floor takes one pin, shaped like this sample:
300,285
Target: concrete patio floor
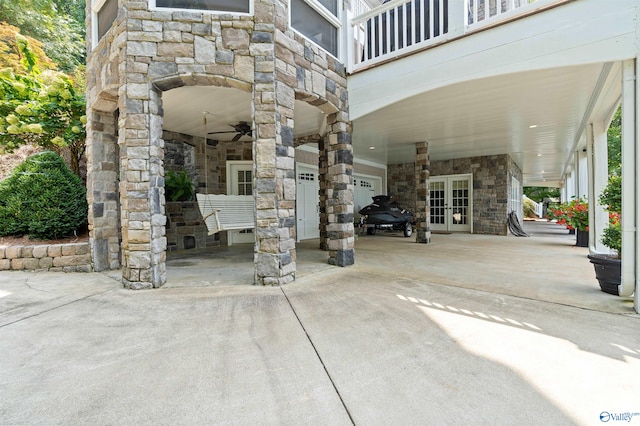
546,266
468,330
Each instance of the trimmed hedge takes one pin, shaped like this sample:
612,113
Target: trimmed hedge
42,198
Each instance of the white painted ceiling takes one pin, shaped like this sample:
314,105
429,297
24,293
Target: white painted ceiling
475,118
494,116
185,107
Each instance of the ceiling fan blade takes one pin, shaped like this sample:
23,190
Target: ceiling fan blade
237,137
217,133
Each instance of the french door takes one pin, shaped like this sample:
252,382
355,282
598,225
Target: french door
240,182
451,203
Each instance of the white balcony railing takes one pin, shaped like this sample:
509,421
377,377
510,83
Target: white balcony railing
400,27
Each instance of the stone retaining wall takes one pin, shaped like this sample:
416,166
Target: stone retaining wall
73,257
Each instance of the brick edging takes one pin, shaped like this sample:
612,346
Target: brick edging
74,257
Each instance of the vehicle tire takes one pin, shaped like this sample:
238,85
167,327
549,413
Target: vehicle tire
371,231
408,229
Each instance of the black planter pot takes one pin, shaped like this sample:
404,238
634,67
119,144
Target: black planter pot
582,238
608,271
572,231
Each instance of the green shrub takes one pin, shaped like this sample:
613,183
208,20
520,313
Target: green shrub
529,208
611,199
178,186
612,237
42,198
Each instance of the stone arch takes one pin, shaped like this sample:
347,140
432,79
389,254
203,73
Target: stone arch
144,242
335,172
173,81
207,165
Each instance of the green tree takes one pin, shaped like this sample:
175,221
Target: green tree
539,193
614,143
10,55
56,23
43,108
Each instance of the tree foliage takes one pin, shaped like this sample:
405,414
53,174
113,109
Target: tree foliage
43,108
58,24
10,56
614,143
539,193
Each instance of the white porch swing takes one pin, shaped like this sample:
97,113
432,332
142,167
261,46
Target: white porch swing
223,212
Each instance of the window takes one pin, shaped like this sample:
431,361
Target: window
317,20
239,6
515,200
245,182
105,13
331,5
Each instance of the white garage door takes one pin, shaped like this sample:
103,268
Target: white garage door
364,188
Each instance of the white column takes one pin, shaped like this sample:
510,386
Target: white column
598,172
583,177
630,174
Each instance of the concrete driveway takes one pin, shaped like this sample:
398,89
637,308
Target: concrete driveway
462,331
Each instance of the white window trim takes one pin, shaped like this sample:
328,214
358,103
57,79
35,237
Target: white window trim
95,8
152,6
515,198
228,171
330,17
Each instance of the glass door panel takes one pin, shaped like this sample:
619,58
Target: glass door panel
437,196
450,203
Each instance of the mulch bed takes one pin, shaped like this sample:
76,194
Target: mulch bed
26,241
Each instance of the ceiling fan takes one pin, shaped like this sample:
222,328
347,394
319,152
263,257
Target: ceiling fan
242,129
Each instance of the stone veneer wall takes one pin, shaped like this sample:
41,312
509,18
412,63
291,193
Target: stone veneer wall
491,187
402,184
185,227
72,257
147,52
218,153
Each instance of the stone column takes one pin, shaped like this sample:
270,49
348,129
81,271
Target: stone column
423,205
274,154
336,191
323,181
142,187
102,190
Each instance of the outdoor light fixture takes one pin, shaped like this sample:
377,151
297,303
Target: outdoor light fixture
372,147
533,126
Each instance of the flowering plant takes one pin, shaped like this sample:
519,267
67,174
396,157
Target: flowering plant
573,214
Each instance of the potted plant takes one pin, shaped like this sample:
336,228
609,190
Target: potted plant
608,267
178,186
575,216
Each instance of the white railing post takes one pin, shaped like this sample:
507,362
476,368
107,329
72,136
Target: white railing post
351,42
457,17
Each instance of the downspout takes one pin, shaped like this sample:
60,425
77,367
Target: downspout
629,164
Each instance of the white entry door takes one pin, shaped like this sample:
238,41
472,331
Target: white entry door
240,182
451,203
307,203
